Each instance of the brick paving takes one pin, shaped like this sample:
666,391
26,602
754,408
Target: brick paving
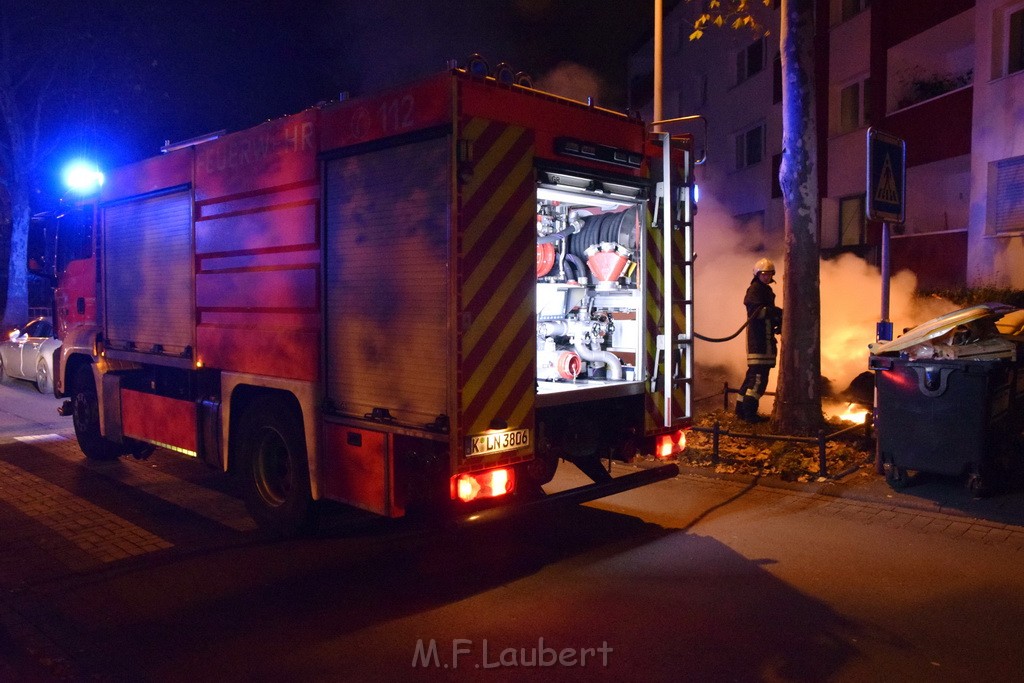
61,514
215,506
100,534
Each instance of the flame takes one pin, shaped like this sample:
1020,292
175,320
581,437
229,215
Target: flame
848,412
854,413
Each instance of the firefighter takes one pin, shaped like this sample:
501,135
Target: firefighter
764,322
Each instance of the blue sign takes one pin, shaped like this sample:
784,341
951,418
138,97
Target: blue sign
887,177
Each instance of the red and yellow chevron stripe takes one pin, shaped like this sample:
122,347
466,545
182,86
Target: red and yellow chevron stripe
496,260
655,401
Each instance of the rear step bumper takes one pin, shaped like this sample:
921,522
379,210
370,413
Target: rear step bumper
580,494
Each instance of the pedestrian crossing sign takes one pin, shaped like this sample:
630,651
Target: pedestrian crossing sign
886,177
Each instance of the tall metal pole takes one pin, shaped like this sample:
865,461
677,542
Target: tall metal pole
885,326
658,50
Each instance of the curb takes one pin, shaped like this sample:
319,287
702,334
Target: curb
832,488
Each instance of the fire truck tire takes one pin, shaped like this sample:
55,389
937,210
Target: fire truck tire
274,469
86,416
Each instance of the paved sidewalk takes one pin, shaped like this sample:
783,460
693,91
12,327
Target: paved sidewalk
932,505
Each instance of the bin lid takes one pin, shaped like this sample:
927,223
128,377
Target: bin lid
936,327
1011,324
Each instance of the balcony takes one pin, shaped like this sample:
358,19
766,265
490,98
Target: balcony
921,88
931,64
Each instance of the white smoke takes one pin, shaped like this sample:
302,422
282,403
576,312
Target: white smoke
573,81
850,304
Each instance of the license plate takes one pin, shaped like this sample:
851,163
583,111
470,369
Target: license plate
496,442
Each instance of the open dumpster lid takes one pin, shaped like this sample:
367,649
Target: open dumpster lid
1011,324
936,327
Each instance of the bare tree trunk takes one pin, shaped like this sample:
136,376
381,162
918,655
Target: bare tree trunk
18,156
798,400
16,302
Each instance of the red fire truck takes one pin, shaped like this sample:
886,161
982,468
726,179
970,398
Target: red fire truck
430,296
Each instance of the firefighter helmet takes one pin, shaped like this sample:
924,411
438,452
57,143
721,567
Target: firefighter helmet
764,266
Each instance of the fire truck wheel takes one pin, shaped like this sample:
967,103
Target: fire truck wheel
275,470
86,416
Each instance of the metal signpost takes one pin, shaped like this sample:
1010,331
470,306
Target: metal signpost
886,195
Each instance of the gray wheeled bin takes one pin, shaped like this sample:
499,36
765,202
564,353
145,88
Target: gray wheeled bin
948,417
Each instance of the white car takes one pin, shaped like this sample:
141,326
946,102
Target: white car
27,353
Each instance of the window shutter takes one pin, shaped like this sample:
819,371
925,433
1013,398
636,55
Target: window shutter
1010,195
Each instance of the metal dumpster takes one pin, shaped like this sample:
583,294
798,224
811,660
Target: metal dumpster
950,399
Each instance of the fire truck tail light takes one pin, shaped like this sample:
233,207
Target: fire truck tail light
668,445
489,484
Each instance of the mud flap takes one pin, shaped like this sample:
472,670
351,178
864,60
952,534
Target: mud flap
593,468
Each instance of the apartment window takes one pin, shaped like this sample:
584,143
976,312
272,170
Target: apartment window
674,41
1015,42
1009,195
776,167
641,90
851,8
701,88
750,147
750,60
777,79
852,221
849,108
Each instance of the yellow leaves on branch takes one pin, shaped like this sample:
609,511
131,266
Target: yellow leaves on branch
735,12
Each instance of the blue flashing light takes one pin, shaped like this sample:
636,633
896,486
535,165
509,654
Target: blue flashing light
82,177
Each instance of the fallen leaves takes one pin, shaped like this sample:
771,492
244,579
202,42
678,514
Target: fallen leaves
786,460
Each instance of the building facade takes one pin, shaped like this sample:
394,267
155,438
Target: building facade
996,216
944,76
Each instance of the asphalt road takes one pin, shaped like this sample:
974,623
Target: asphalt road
150,570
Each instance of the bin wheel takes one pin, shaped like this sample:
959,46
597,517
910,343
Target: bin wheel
896,477
979,483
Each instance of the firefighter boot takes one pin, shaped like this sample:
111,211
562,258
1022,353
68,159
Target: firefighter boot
741,410
749,410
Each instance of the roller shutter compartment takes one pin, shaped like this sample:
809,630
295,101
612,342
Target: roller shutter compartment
387,271
148,278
